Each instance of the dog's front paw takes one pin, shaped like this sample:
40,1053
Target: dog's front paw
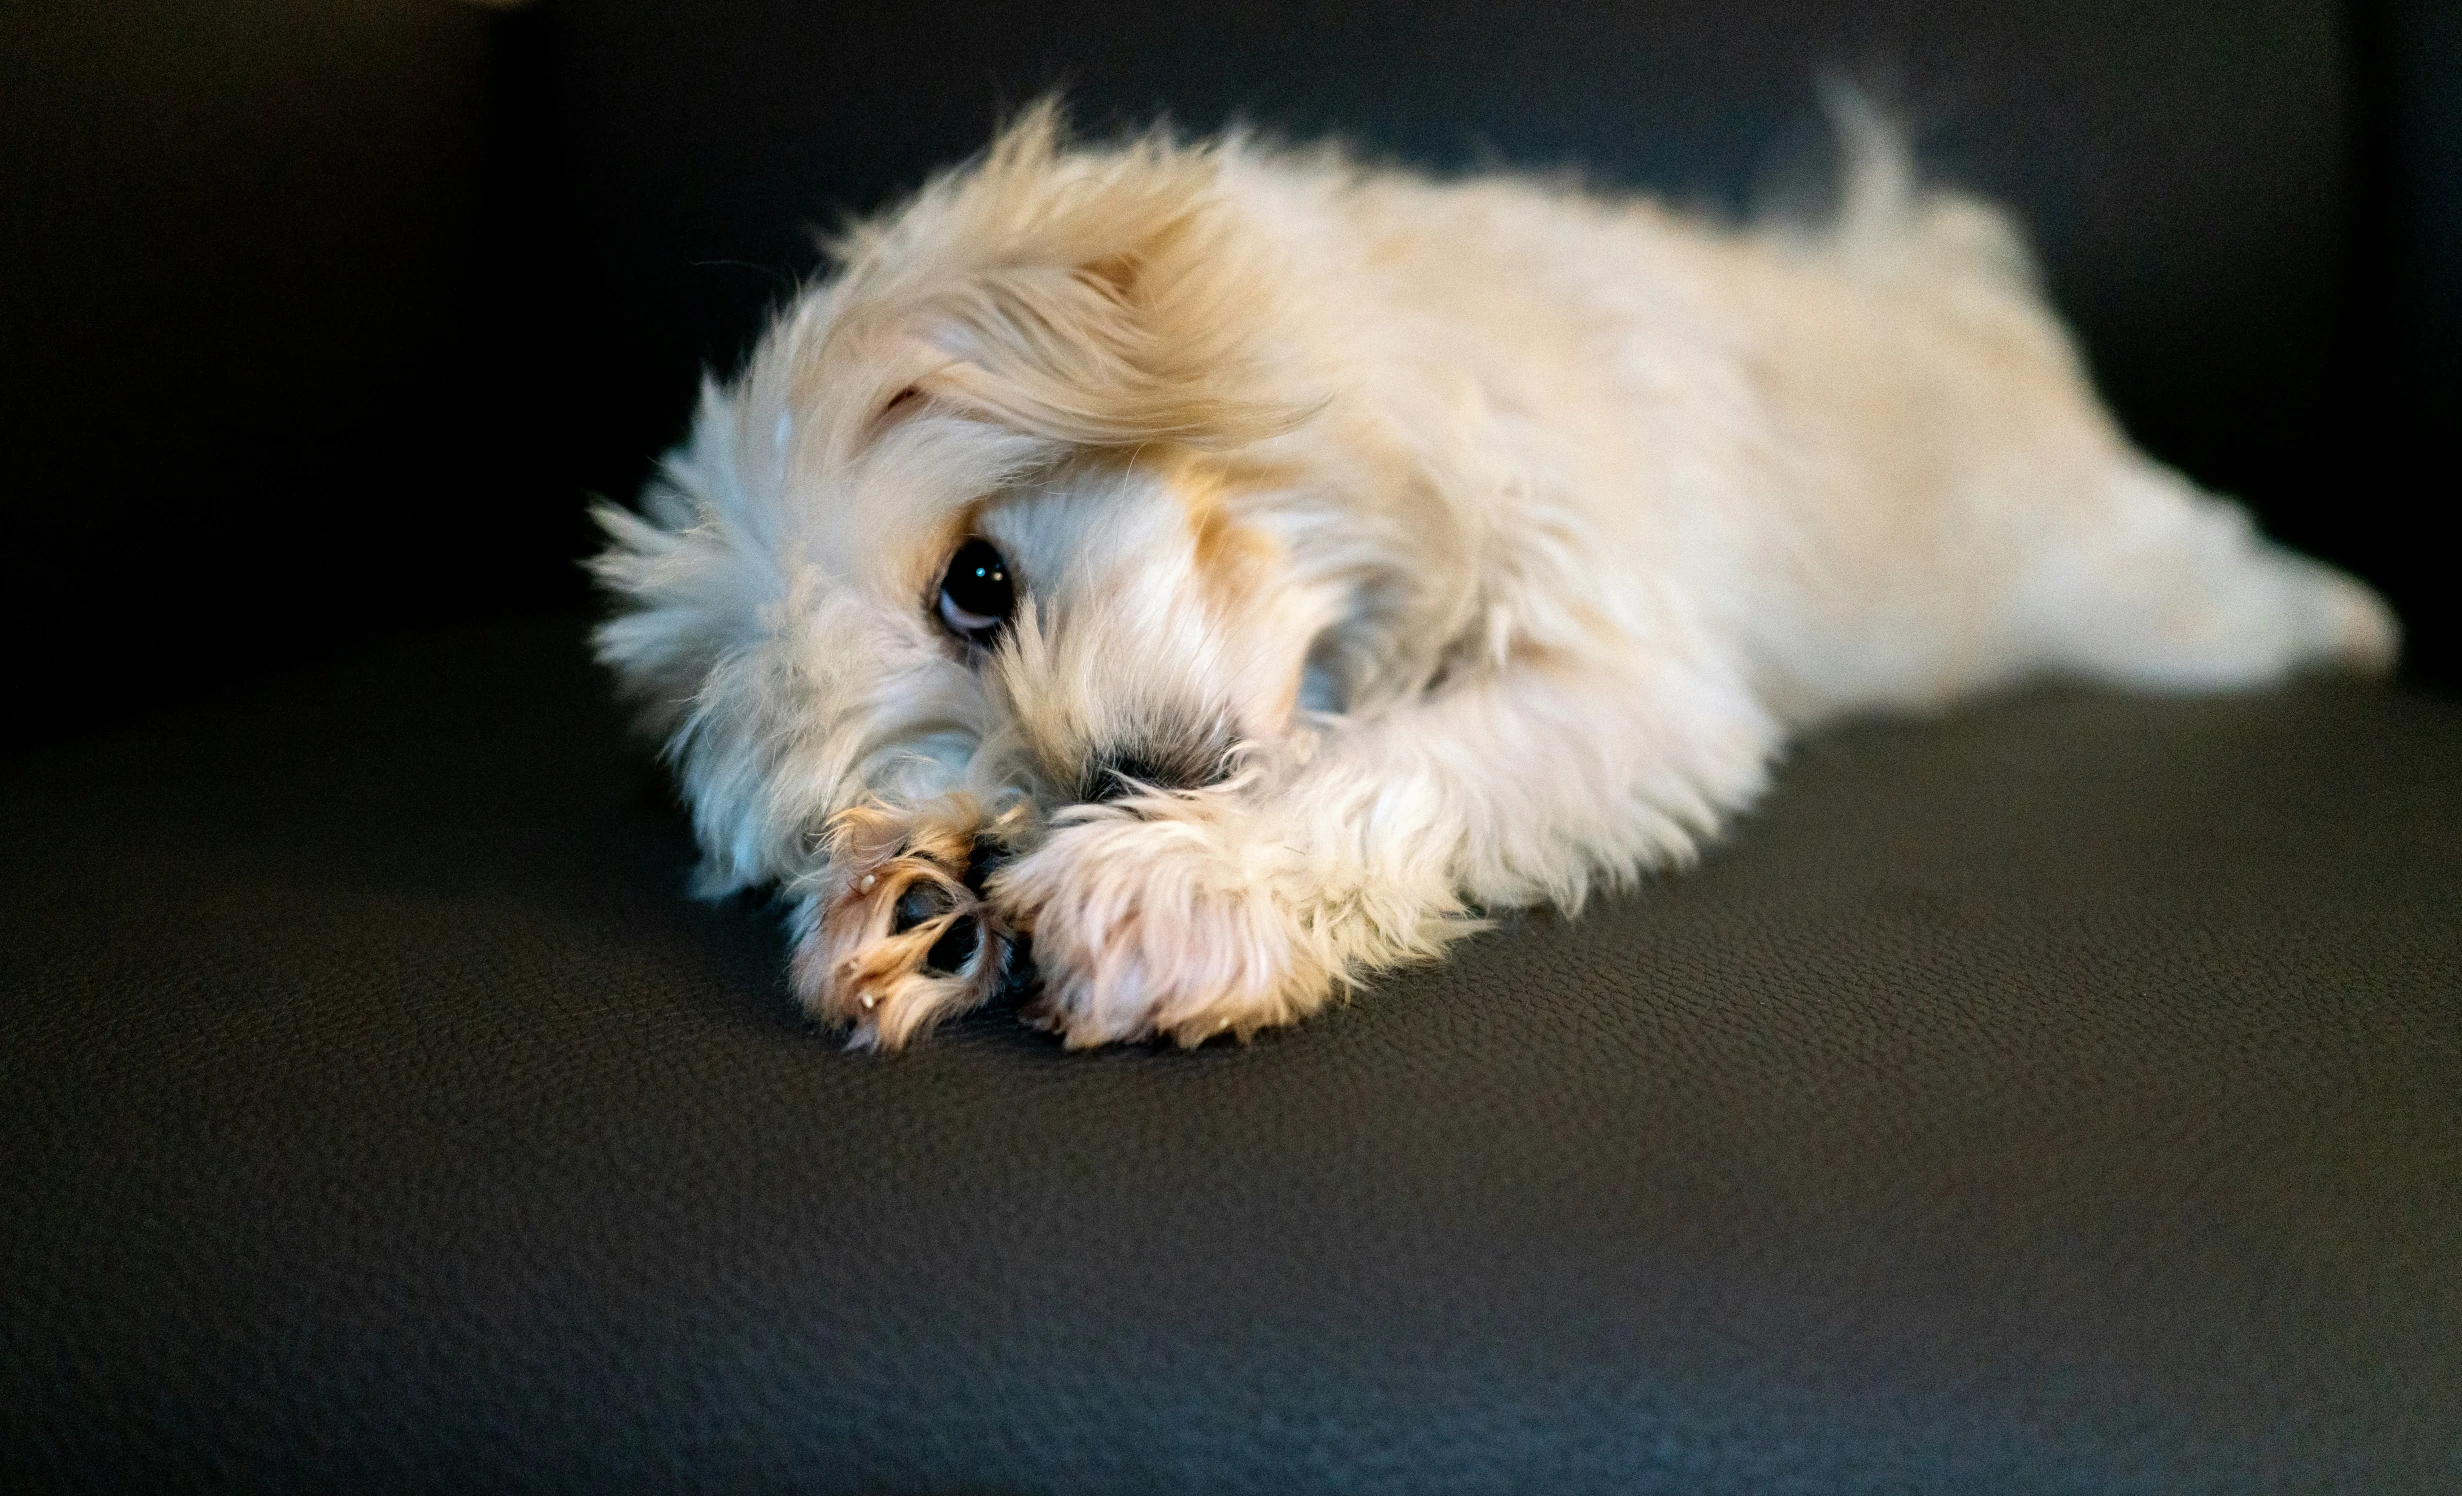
891,939
1146,928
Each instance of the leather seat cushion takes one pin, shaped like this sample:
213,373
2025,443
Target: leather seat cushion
2061,1095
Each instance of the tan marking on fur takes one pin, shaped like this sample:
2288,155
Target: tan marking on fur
1233,560
1236,563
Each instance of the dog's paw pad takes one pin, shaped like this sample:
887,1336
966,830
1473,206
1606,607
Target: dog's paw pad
955,949
923,902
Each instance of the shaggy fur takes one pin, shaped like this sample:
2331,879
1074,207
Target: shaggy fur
1455,544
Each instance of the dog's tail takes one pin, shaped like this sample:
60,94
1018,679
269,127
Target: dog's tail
1890,226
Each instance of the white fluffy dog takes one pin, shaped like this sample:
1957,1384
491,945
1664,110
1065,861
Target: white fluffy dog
1232,567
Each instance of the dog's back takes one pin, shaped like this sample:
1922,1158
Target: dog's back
1863,451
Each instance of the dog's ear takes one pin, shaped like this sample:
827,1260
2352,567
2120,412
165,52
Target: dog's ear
1094,298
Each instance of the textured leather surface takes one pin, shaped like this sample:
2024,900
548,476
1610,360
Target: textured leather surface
2064,1095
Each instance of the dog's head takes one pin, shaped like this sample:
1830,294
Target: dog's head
982,514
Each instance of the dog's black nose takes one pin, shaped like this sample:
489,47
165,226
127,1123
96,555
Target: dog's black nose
1115,774
1125,771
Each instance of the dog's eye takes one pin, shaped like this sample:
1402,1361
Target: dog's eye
976,596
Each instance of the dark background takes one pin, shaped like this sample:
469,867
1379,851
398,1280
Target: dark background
322,316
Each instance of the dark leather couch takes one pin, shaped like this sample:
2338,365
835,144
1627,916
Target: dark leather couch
2064,1094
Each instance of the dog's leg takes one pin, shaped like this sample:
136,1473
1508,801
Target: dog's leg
2168,587
1245,906
889,937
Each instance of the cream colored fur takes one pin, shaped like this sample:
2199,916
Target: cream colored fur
1503,532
